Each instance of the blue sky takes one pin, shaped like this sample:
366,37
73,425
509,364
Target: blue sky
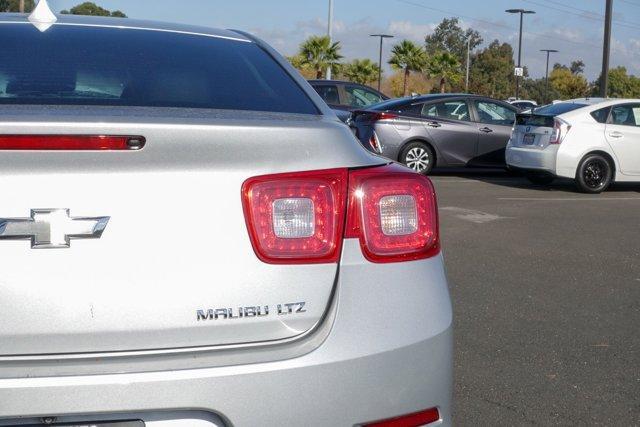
574,27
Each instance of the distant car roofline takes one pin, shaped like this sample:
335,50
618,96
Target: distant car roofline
128,24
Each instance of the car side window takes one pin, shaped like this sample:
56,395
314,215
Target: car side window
452,110
601,115
625,115
329,93
360,97
494,114
408,109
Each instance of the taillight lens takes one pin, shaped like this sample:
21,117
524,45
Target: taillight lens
374,143
70,142
298,217
383,116
560,129
412,420
394,214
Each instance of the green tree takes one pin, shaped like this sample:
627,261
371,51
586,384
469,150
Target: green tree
318,53
445,67
567,84
621,84
450,37
407,56
362,71
492,71
14,5
577,66
92,9
536,89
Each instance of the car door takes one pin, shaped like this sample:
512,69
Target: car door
449,126
623,135
494,122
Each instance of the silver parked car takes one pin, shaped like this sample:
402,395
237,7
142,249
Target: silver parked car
190,237
437,130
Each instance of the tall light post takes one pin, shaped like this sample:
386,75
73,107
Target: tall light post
546,75
521,12
330,33
382,37
466,79
606,48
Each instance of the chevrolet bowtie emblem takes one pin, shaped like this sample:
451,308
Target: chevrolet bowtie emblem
51,228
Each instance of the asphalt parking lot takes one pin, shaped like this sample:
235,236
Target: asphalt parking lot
545,284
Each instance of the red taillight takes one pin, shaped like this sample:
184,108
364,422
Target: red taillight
412,420
382,116
70,142
560,129
394,214
374,143
298,218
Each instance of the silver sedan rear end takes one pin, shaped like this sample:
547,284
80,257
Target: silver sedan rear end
191,237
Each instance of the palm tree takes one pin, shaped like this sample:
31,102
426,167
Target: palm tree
362,71
407,56
319,53
445,66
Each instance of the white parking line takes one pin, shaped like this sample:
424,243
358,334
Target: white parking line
567,199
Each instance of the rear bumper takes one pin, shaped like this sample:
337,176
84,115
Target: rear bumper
532,159
389,353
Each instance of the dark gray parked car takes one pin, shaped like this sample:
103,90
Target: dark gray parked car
437,130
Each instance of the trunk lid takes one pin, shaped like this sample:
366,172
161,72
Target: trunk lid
176,242
532,131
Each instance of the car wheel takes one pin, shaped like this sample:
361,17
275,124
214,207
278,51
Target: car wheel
419,157
540,178
594,174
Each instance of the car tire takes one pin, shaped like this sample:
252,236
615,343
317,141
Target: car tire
594,174
540,178
419,157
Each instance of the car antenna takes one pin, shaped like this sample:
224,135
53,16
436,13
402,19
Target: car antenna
42,17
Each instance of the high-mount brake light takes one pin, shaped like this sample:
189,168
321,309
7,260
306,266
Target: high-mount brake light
393,212
70,142
298,218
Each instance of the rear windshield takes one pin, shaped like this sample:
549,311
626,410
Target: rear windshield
71,65
559,108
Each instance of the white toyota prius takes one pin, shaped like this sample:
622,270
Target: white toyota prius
591,140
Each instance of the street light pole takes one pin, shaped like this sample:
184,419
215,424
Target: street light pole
546,76
466,80
21,7
521,12
382,37
606,48
330,33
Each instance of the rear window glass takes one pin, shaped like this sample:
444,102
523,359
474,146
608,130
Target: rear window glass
70,65
559,108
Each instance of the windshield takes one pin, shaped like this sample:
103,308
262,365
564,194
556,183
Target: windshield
559,108
72,65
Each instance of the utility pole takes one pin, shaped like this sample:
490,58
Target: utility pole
546,76
330,33
466,80
606,49
382,37
522,12
21,6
